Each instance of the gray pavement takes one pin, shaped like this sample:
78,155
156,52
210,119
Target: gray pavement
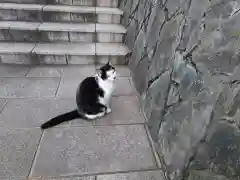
115,147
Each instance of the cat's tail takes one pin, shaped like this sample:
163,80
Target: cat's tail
61,118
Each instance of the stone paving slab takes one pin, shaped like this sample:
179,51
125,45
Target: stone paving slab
123,87
35,112
17,149
147,175
71,71
86,150
68,86
70,178
13,71
125,110
28,87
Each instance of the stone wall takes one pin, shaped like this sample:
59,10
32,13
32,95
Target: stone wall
186,67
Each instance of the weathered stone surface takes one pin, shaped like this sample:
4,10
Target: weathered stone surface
13,71
148,175
108,18
122,113
28,88
185,65
107,3
86,150
36,112
123,87
66,71
71,178
17,152
71,80
86,17
11,15
199,175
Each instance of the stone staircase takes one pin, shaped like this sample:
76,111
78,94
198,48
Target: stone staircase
61,32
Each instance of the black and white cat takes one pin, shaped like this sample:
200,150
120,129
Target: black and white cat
92,97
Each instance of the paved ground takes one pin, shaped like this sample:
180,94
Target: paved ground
112,148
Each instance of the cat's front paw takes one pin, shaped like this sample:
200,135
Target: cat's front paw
109,110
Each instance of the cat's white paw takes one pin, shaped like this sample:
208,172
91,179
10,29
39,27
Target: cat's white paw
109,110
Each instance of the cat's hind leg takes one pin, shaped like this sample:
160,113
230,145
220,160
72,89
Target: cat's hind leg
95,116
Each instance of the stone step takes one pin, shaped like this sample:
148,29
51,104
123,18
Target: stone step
59,13
63,53
17,31
102,3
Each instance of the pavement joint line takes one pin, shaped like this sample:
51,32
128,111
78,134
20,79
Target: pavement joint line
59,83
35,155
31,52
103,173
27,72
5,104
153,148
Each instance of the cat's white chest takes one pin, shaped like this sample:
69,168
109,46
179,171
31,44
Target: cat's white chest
108,87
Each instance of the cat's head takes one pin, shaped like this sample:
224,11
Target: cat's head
108,72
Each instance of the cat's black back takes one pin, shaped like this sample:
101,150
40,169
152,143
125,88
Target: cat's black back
87,96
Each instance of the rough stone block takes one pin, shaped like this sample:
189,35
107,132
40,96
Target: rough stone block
28,88
199,175
220,153
87,150
17,148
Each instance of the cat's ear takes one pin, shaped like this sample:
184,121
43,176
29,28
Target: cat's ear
109,62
